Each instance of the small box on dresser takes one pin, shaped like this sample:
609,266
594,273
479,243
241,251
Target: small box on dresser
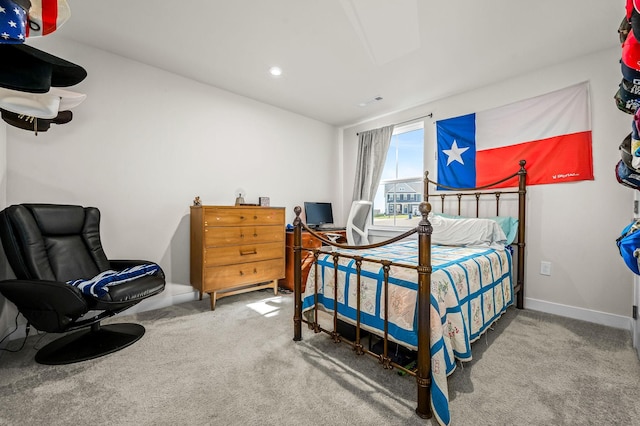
235,249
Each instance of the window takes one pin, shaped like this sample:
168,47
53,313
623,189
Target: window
400,191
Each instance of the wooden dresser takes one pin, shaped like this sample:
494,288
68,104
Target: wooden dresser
236,249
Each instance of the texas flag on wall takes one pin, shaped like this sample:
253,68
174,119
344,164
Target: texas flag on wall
551,132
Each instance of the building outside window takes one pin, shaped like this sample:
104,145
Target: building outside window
401,186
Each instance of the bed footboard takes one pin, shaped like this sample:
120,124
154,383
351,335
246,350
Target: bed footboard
422,372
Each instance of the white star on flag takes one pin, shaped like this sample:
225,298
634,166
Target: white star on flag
455,153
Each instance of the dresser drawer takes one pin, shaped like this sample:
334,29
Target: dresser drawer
223,277
230,235
215,256
241,216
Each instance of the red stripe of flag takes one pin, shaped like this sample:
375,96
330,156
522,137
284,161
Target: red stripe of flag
564,158
49,16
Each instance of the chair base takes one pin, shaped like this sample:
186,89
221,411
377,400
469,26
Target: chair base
89,344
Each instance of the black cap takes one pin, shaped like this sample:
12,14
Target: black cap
28,69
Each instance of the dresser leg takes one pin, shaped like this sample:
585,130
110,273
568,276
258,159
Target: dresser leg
213,300
275,287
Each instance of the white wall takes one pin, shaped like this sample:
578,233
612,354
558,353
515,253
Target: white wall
7,310
145,142
573,225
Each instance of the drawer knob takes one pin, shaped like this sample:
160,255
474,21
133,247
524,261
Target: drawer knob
255,234
241,217
241,273
255,217
248,252
241,235
255,271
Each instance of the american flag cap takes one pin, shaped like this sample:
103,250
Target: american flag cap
46,16
13,22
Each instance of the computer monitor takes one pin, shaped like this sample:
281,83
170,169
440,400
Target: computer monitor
318,214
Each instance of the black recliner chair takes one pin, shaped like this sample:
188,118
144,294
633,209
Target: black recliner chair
46,246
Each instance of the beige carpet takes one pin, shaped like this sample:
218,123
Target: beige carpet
238,365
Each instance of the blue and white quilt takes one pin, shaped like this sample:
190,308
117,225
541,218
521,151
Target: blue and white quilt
471,287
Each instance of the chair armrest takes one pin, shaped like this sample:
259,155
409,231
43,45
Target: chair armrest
48,305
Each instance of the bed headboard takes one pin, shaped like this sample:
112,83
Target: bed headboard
484,202
480,201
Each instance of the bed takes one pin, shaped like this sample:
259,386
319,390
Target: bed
432,291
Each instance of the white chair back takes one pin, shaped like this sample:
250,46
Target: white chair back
358,223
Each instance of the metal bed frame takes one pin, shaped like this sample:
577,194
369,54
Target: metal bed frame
423,269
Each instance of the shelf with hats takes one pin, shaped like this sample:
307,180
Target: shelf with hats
627,99
31,97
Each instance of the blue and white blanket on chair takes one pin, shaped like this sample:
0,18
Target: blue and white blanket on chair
99,285
471,287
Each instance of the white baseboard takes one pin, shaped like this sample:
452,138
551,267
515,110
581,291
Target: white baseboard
597,317
173,294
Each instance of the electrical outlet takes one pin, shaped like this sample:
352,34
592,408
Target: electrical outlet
545,268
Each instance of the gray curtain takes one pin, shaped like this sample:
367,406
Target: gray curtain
373,146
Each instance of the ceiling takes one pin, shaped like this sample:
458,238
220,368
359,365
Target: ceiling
338,55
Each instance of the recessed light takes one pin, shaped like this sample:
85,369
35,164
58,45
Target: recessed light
275,71
370,101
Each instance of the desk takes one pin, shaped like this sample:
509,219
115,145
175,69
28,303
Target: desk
307,257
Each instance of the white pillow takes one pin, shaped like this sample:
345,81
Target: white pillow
467,232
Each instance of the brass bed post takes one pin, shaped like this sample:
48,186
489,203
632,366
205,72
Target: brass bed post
358,346
522,200
334,334
423,375
297,275
385,360
425,191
